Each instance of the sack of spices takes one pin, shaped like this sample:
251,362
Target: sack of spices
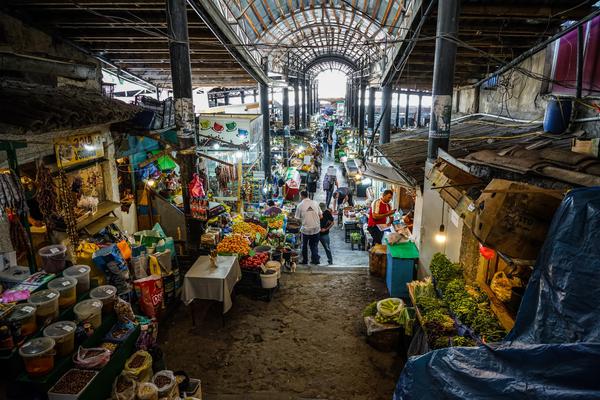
93,358
501,286
147,391
124,311
139,366
166,383
124,388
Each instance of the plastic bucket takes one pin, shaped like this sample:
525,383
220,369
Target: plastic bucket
38,356
67,289
46,303
276,265
24,315
82,274
107,294
63,333
268,280
53,258
276,255
262,249
89,311
557,115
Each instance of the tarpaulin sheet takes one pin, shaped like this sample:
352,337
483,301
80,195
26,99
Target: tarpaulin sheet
553,351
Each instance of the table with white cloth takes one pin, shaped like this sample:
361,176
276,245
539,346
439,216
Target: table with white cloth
207,283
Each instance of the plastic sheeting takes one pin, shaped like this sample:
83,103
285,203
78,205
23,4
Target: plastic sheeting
553,351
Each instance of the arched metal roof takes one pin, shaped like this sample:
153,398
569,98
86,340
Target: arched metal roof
297,32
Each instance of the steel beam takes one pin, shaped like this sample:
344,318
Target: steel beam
386,115
286,107
361,115
407,110
419,110
297,104
398,110
371,116
266,118
443,77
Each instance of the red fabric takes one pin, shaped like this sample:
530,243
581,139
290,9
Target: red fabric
384,208
291,193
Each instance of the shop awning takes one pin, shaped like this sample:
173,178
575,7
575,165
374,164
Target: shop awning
36,109
385,174
408,152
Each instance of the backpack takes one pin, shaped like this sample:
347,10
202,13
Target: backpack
327,183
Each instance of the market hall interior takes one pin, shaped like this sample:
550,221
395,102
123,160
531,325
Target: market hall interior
262,199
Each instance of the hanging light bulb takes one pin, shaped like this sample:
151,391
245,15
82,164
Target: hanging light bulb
441,236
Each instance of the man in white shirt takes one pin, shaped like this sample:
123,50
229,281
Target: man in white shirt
309,212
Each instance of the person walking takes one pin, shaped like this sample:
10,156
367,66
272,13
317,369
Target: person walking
312,180
326,225
309,213
379,213
330,183
330,144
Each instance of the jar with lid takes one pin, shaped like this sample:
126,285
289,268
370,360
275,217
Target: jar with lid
46,303
38,355
67,288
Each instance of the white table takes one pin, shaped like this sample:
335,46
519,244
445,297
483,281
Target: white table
206,283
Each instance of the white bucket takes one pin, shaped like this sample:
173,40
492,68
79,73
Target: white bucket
269,281
276,265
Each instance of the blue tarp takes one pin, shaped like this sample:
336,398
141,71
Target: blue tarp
553,351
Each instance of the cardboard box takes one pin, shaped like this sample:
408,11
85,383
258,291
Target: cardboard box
513,218
585,146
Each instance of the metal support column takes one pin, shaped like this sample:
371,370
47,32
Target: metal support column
255,93
443,77
356,101
303,88
419,110
406,123
226,98
386,114
296,105
398,110
371,116
309,96
264,109
361,115
181,73
286,107
242,97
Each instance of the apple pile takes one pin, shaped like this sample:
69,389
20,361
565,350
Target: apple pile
254,262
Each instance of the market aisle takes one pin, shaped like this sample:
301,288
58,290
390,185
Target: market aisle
343,255
307,343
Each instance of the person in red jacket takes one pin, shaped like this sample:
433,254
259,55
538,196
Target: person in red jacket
378,215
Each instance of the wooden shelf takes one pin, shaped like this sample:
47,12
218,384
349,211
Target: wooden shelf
100,224
104,208
504,316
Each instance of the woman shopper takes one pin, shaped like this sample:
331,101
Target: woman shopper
326,225
379,214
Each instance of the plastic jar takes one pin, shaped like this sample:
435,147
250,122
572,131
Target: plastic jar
38,355
53,258
63,333
82,274
90,311
107,294
46,302
66,288
24,315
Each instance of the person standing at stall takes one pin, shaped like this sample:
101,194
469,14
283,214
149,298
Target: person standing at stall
379,214
309,213
326,225
312,180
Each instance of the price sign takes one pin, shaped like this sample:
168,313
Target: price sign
77,149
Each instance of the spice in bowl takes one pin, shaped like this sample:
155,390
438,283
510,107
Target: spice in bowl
73,382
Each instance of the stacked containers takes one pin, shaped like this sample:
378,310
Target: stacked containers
24,316
82,274
46,303
53,258
67,289
63,333
38,355
107,294
89,311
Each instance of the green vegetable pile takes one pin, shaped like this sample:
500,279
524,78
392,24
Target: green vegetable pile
403,318
370,310
469,304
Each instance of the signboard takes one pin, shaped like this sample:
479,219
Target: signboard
77,149
227,128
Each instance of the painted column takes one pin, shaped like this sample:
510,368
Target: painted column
443,77
386,115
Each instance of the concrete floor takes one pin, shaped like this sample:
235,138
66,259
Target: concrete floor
307,343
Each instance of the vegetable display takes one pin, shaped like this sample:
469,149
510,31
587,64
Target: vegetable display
254,262
468,303
235,243
250,229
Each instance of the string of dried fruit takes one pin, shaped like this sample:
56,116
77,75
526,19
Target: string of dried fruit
46,194
18,235
11,193
67,209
